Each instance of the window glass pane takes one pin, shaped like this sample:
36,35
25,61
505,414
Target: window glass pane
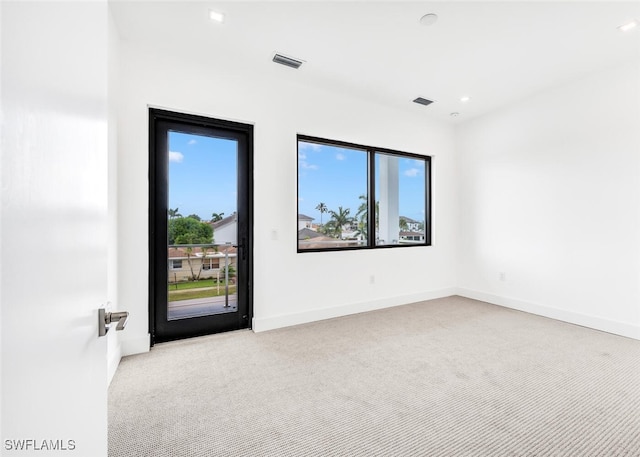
332,196
400,190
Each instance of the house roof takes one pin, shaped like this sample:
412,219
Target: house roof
175,253
224,221
409,220
181,253
322,242
409,233
229,249
307,233
303,217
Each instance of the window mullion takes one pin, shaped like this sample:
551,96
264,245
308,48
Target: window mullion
371,199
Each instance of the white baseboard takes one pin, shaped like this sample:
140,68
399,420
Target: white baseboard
287,320
138,345
112,363
585,320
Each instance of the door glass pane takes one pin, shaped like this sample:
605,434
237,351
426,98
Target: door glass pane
400,199
202,226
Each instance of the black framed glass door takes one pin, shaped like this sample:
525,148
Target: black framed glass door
199,226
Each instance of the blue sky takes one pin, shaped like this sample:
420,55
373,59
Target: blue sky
202,175
331,175
338,176
203,178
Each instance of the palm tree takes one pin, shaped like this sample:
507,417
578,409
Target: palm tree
362,216
323,209
205,251
215,217
189,251
174,213
193,238
339,219
403,225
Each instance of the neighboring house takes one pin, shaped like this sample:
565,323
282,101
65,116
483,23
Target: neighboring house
411,236
412,225
226,230
304,221
212,263
351,232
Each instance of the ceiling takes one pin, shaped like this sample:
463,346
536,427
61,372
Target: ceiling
497,53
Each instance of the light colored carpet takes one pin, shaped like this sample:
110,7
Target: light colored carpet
449,377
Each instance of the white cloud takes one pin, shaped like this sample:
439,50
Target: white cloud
312,146
191,142
418,163
176,157
412,172
302,162
341,156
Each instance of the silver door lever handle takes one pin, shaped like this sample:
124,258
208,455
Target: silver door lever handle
105,319
121,317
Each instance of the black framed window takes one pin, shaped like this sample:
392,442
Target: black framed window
345,189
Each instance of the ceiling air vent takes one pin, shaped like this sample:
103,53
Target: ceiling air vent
288,61
422,101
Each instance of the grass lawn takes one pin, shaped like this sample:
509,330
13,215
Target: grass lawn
192,284
210,291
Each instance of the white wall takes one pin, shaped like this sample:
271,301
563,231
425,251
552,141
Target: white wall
550,196
275,99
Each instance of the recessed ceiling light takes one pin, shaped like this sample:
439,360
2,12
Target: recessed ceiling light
429,19
628,26
465,99
454,114
215,16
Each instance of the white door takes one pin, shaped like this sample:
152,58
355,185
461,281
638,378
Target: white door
53,227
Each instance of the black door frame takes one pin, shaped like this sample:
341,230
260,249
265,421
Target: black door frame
158,205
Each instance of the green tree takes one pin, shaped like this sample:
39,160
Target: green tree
205,252
338,220
232,272
187,230
215,217
194,216
327,229
173,213
362,216
323,209
403,224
